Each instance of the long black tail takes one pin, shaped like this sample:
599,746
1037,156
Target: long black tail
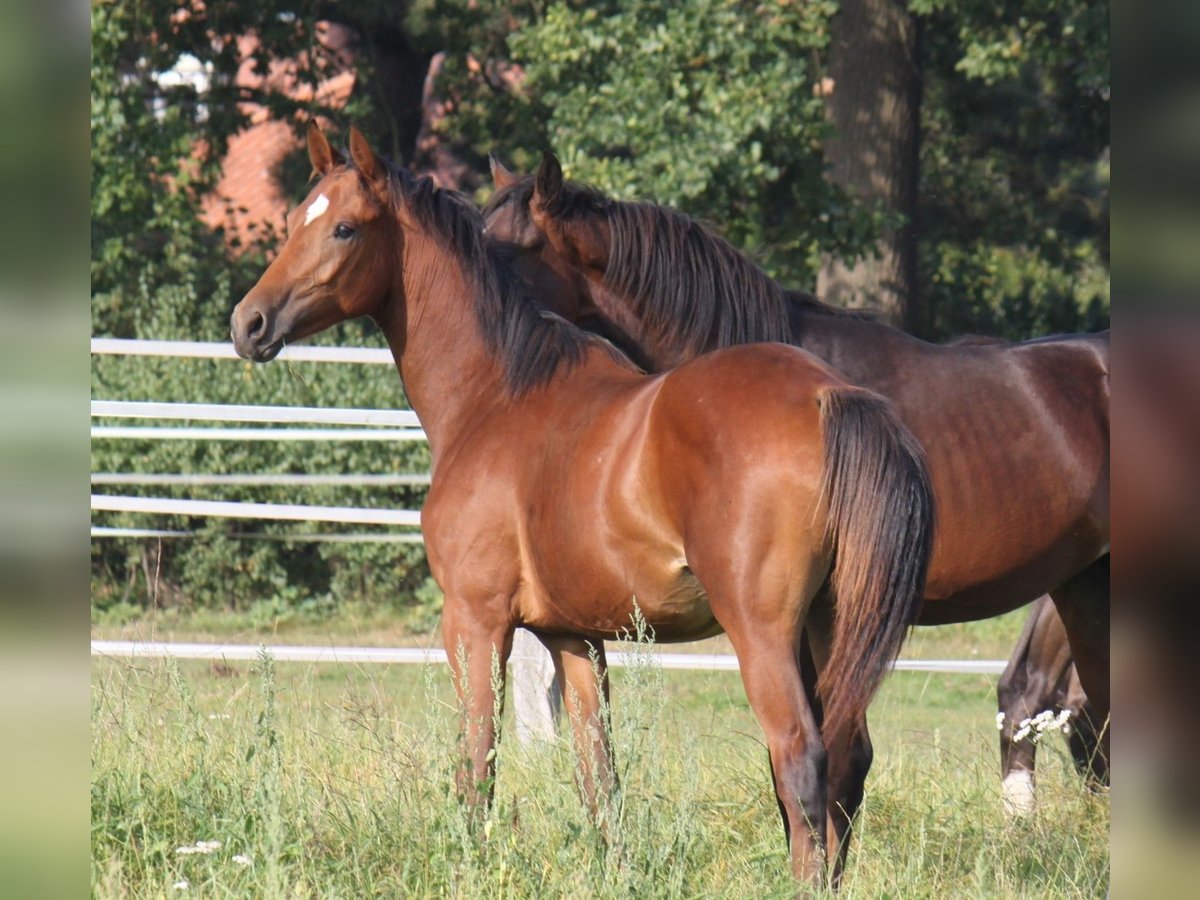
881,521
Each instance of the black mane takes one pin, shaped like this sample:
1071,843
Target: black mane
531,342
686,282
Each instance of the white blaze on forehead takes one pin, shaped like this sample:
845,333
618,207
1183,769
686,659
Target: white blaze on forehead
316,208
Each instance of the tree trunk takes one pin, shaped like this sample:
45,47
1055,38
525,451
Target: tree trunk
874,105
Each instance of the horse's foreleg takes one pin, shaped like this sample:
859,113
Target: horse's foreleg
478,650
583,672
1018,752
1028,686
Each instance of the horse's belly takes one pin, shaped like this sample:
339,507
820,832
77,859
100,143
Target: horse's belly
679,609
671,600
965,594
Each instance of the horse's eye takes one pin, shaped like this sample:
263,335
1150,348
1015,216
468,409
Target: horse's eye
343,231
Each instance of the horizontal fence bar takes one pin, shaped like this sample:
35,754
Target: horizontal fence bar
100,531
616,659
212,350
228,412
133,432
270,511
282,479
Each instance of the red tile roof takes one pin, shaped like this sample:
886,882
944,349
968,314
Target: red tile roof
249,202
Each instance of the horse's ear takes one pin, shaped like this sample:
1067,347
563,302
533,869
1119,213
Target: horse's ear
363,155
547,184
501,176
320,154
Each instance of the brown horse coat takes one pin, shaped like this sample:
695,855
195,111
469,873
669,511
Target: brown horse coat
1016,435
752,491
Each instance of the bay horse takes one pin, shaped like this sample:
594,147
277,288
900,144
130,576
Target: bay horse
1016,435
753,491
1040,682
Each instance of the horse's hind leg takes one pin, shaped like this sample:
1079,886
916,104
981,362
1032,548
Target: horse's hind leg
478,646
1083,604
771,675
850,753
1084,744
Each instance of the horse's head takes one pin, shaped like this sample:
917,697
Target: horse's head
338,262
556,230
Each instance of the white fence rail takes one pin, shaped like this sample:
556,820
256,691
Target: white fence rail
202,350
133,432
380,425
228,412
399,479
400,537
270,511
352,655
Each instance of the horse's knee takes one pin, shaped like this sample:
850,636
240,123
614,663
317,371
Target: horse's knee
1008,692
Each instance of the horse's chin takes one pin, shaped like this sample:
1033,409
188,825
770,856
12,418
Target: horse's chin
267,352
259,353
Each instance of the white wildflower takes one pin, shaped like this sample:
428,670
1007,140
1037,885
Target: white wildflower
242,860
999,721
180,886
199,847
219,716
1038,725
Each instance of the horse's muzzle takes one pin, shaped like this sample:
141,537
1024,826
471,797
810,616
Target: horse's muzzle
253,335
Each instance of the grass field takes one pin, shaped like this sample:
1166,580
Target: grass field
335,781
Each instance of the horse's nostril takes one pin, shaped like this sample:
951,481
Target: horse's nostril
258,324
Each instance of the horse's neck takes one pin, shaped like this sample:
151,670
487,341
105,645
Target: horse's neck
446,369
632,334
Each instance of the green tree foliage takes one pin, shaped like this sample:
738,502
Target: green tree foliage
159,272
1013,217
156,149
707,105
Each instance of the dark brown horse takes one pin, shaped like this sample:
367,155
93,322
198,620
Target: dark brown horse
1016,435
752,491
1040,692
